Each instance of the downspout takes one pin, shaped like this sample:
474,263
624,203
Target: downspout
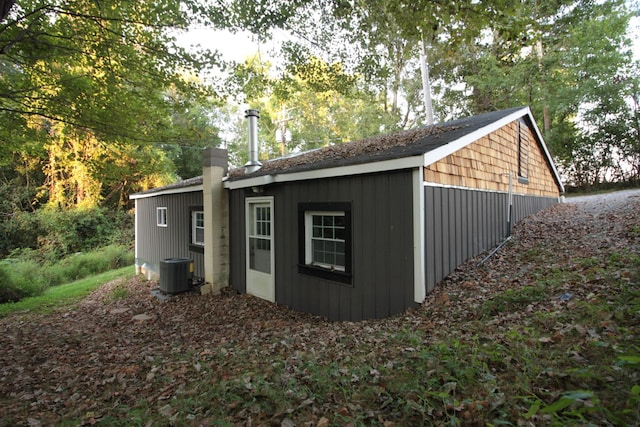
510,207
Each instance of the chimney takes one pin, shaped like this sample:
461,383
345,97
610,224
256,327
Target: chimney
252,141
216,220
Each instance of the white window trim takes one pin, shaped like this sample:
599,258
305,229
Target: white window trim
161,216
194,228
308,235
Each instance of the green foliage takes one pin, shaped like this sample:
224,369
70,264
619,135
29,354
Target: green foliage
20,278
319,103
89,90
99,66
63,295
53,234
570,60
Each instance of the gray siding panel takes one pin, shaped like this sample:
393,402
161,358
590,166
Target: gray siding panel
382,245
157,243
237,255
460,224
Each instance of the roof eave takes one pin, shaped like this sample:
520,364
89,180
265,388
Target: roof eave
357,169
177,190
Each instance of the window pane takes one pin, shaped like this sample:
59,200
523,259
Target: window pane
199,236
260,255
328,235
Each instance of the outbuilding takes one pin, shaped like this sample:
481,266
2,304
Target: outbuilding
357,230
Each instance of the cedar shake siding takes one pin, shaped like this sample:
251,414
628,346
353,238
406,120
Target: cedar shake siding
381,282
154,243
486,163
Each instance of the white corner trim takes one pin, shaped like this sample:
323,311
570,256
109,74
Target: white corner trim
371,167
419,283
136,232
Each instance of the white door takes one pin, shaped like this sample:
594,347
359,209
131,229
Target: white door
260,256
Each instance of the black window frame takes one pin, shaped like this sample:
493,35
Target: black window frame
343,277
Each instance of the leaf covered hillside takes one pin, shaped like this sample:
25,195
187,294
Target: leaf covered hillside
545,332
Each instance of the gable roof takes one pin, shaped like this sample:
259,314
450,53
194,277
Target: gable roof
407,149
411,148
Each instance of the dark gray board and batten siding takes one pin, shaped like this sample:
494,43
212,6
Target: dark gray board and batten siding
462,223
173,241
382,245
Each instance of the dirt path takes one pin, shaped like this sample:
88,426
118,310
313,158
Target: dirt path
111,350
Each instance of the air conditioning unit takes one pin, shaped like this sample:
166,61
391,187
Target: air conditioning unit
176,275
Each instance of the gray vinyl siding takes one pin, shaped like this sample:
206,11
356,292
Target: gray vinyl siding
382,245
237,239
460,224
157,243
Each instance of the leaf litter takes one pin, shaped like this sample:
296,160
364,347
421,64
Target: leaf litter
503,341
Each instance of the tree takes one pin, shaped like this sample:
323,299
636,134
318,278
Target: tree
94,65
87,81
320,103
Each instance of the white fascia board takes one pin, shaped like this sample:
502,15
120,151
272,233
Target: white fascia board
190,189
450,148
251,182
371,167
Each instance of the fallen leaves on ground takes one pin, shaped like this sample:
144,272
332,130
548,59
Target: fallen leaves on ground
123,357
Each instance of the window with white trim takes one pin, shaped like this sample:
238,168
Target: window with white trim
325,240
161,216
197,228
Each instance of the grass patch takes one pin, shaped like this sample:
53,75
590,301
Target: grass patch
63,295
24,276
514,299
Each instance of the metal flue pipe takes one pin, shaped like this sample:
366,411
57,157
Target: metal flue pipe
252,141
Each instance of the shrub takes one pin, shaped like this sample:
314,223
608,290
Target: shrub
54,234
82,265
20,278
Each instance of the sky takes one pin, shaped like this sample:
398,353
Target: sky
236,47
239,46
